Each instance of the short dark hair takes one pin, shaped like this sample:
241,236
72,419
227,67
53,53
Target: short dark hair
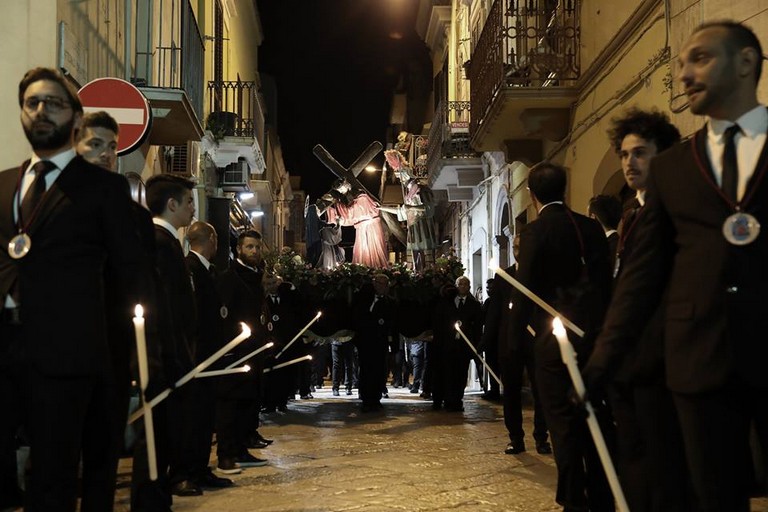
651,125
607,209
98,119
37,74
547,181
248,233
739,37
162,187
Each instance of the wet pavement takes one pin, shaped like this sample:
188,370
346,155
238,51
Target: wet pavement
328,456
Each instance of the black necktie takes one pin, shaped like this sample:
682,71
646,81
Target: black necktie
461,303
36,191
730,165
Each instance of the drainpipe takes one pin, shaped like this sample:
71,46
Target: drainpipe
452,47
127,41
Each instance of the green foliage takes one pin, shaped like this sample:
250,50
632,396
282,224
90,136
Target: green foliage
350,277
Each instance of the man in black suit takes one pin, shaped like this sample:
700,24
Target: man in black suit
375,333
649,452
65,225
563,260
203,241
239,396
170,200
694,241
451,355
514,358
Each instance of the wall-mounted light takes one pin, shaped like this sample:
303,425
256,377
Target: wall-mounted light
244,196
257,213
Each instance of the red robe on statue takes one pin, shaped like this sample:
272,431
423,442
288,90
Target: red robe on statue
370,246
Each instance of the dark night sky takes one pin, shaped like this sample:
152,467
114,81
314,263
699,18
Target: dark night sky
335,67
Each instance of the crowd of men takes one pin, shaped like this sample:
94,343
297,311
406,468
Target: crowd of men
667,292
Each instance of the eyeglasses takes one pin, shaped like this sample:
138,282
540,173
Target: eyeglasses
53,104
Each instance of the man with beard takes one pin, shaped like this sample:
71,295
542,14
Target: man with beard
65,225
240,395
699,239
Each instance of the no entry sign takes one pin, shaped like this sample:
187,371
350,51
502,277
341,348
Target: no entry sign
123,101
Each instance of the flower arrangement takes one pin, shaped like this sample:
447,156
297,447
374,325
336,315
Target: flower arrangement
350,277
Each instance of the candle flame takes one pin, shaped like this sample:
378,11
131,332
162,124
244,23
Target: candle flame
246,368
270,344
319,313
557,327
493,265
138,311
456,326
309,358
245,328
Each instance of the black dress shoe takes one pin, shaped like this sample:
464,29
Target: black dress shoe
256,444
335,392
515,447
349,392
543,448
186,488
214,482
261,438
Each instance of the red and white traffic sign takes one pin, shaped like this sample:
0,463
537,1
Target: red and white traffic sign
123,101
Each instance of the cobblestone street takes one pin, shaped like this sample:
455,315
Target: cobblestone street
327,456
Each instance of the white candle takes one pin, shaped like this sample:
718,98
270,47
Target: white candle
255,352
319,313
228,371
464,336
244,335
141,352
568,355
535,298
287,363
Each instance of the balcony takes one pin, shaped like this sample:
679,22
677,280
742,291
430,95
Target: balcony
236,121
168,74
451,162
523,73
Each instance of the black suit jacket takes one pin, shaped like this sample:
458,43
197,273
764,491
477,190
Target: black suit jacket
550,265
211,326
84,230
715,291
375,330
445,316
178,310
243,297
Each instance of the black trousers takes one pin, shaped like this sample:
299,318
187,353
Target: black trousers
64,417
512,369
450,364
716,430
581,481
343,355
373,368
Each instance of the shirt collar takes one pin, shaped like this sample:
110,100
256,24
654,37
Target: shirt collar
167,225
610,232
640,196
203,259
752,123
60,160
549,204
246,265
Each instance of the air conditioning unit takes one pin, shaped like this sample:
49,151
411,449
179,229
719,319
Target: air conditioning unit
235,176
182,160
459,194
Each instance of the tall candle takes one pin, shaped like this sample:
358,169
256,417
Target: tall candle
141,353
287,363
464,336
228,371
319,313
255,352
568,354
535,298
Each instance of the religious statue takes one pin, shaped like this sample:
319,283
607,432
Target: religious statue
417,211
331,255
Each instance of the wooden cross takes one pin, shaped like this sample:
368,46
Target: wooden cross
350,173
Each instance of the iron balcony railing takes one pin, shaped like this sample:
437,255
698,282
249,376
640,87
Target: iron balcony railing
449,134
235,110
524,43
177,59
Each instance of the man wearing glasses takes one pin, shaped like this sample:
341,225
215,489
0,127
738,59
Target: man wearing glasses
65,225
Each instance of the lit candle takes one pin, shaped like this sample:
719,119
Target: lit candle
535,298
464,337
141,353
287,363
255,352
319,313
568,354
244,335
227,371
